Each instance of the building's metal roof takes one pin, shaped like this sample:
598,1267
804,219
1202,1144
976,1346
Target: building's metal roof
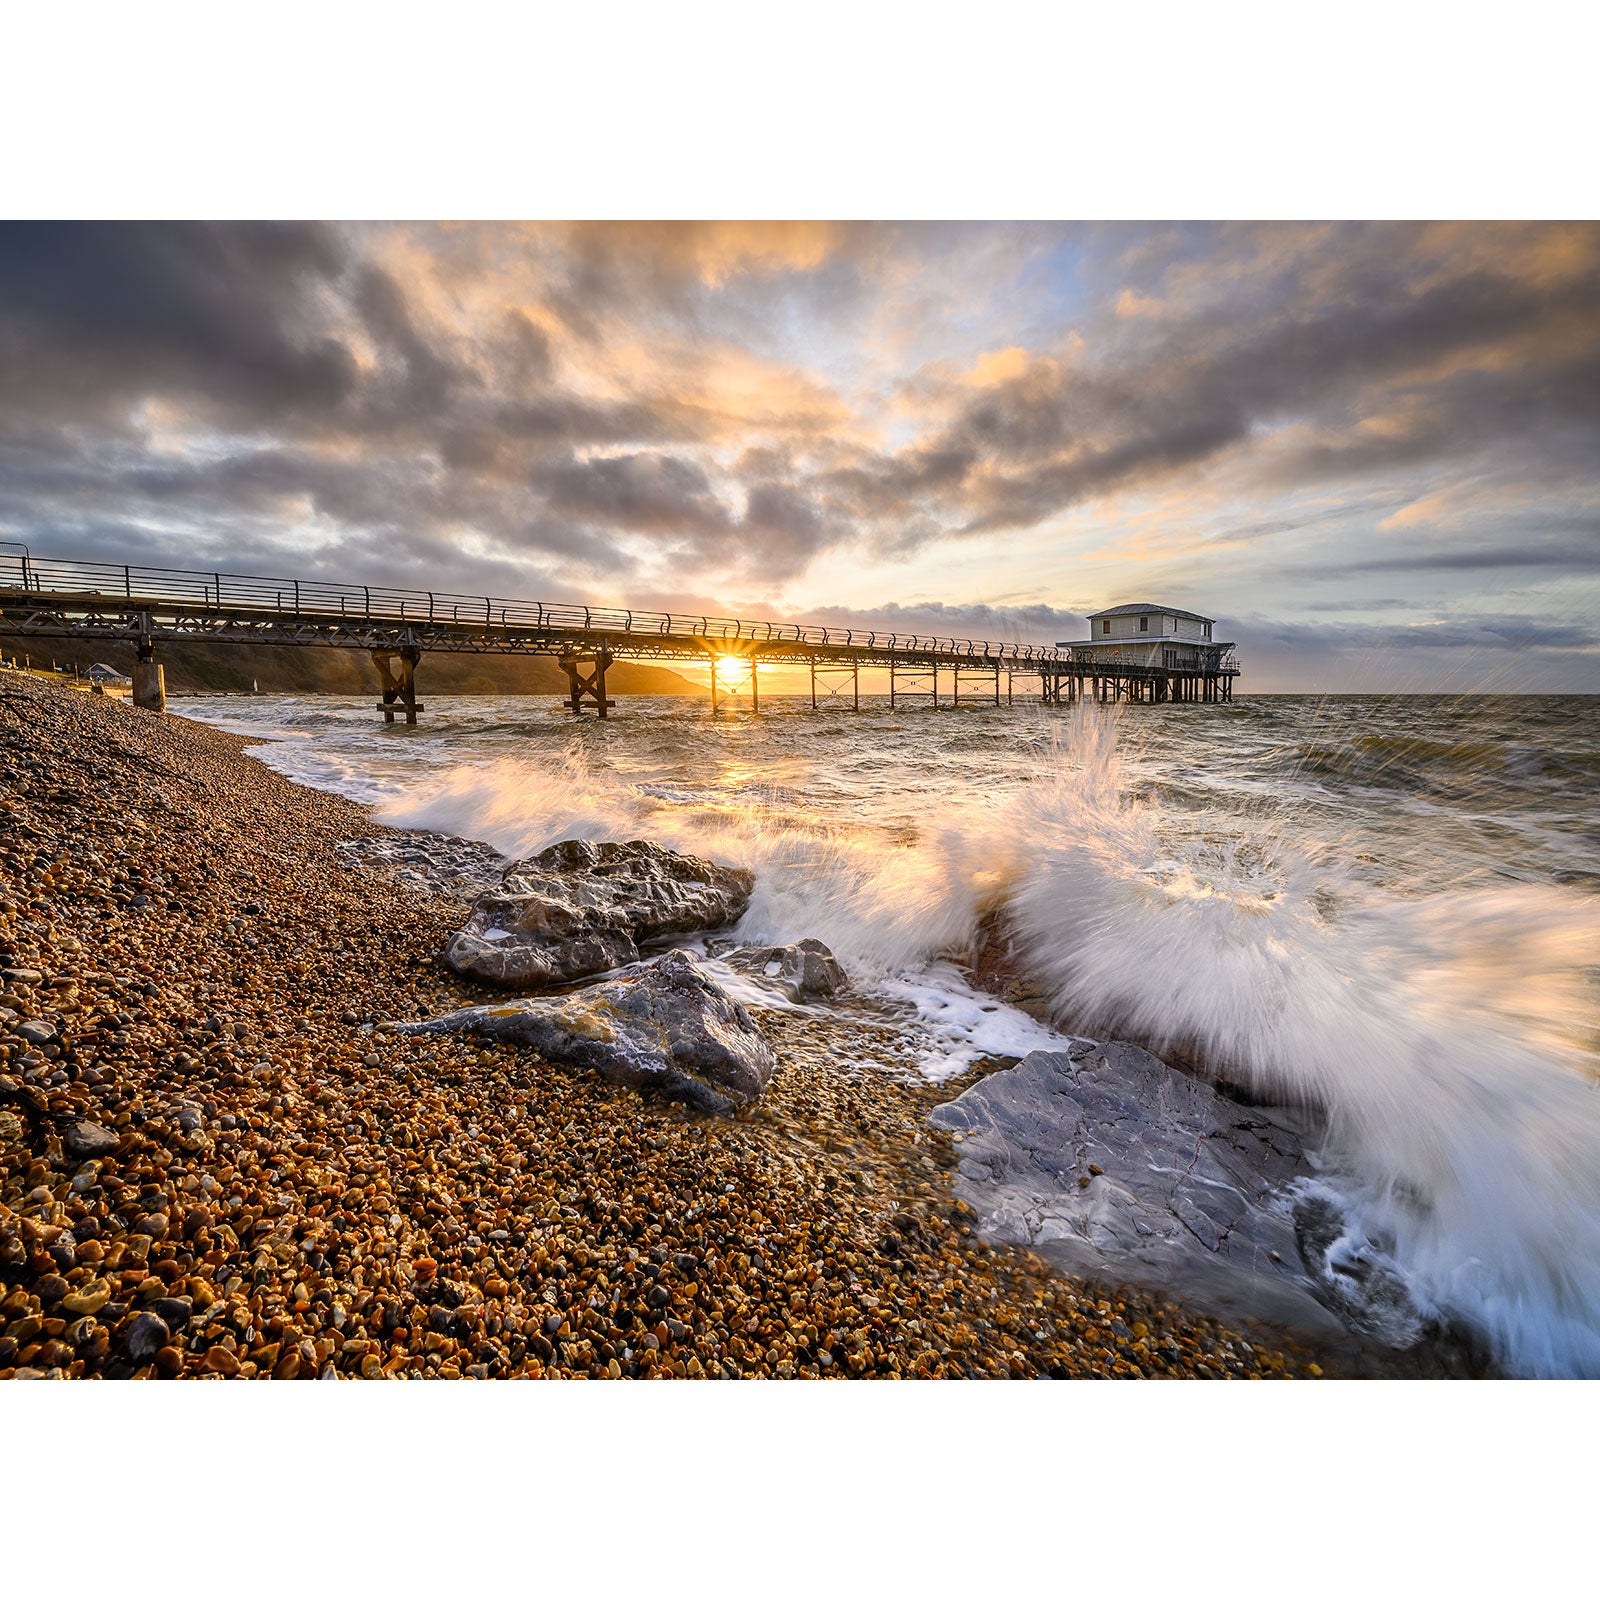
1143,608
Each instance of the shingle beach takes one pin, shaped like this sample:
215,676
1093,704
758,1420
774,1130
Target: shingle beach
217,1160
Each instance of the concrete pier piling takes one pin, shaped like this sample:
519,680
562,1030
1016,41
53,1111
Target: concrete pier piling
150,685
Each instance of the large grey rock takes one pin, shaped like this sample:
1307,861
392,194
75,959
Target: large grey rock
804,970
668,1031
1195,1193
579,908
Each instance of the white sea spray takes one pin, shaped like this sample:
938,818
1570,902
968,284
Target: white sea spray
1447,1038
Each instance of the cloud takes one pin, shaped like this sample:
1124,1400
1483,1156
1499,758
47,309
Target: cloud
636,493
93,315
794,411
1497,633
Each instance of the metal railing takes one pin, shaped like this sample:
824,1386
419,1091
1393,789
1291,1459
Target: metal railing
314,599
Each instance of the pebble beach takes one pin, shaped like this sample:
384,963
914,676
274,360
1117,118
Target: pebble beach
218,1158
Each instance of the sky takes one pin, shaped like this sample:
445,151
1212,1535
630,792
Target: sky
1371,451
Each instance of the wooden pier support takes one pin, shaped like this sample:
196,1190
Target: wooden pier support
590,685
399,682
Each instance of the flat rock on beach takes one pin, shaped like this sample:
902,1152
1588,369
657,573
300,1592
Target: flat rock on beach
668,1030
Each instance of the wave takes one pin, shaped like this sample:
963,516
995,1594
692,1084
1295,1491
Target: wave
1409,761
1448,1042
883,906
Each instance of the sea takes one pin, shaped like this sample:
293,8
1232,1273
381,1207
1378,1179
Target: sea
1386,909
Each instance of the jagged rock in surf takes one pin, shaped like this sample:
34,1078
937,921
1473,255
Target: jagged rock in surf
579,908
1107,1161
805,970
668,1031
1354,1274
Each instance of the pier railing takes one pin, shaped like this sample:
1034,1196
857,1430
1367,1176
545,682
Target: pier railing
131,587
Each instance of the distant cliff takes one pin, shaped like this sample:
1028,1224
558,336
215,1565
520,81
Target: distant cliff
316,670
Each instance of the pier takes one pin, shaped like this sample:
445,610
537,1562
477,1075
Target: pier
397,628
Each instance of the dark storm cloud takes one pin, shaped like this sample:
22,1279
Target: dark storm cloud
425,382
91,313
648,493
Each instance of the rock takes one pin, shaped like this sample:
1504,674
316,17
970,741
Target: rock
36,1032
173,1311
1194,1193
669,1030
805,970
1354,1276
146,1334
88,1300
579,908
219,1359
88,1139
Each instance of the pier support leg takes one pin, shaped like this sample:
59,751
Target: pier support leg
591,685
149,682
399,682
853,672
901,675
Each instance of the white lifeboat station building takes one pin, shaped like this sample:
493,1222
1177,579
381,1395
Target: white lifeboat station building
1154,653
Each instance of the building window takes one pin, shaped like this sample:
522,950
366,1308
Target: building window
1144,624
1105,627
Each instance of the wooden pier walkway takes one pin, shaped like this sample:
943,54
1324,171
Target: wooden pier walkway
149,606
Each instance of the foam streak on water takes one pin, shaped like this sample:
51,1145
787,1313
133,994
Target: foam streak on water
1386,910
